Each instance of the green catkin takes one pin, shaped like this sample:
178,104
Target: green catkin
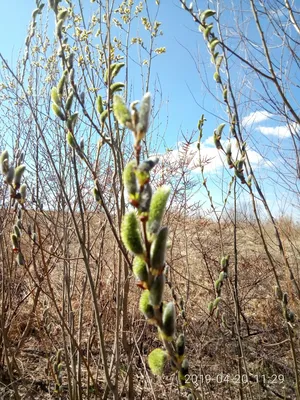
156,290
19,171
15,241
116,87
103,116
120,110
180,345
207,31
62,15
99,104
55,97
57,111
144,116
71,121
17,231
210,307
71,140
114,70
69,100
144,305
216,302
184,370
157,208
20,259
217,77
139,269
158,251
213,44
58,28
129,179
130,234
61,84
206,14
157,360
4,160
96,195
9,177
169,320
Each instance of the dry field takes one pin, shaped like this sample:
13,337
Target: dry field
46,305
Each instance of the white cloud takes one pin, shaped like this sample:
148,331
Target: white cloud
282,131
211,158
256,117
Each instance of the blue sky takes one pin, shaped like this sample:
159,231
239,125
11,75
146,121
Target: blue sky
184,95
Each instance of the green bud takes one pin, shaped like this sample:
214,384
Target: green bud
216,302
23,193
131,235
14,241
184,367
120,110
129,178
62,15
217,77
18,175
71,121
158,251
61,84
69,100
212,45
222,276
144,114
240,175
139,268
169,320
116,87
114,70
220,129
157,208
58,28
144,306
17,231
103,116
156,290
210,307
55,97
225,94
96,195
180,345
20,259
70,61
157,360
218,285
207,31
35,13
217,140
206,14
57,111
4,160
99,104
71,140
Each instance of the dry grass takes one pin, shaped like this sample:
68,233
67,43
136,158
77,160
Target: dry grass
194,265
